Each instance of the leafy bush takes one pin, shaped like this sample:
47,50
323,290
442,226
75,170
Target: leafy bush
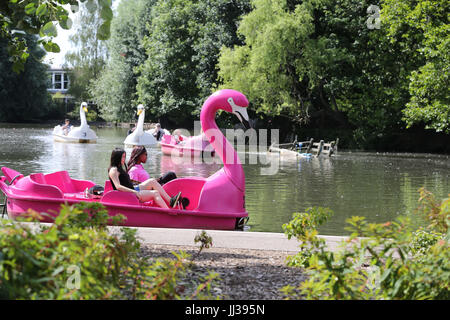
78,258
378,261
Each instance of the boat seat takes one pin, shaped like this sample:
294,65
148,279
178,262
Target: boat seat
63,182
108,186
11,174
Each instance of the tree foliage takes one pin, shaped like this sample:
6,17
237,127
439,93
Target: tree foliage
23,95
77,258
182,48
41,17
115,89
392,260
422,29
319,59
89,56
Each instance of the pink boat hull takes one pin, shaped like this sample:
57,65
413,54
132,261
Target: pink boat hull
216,202
42,193
196,146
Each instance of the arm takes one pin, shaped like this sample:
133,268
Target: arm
114,175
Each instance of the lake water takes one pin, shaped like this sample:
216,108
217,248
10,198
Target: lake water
377,186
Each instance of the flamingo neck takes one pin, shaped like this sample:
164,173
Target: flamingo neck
231,162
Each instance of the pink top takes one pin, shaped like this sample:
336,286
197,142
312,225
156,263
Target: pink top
138,173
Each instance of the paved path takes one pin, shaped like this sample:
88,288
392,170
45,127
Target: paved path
228,239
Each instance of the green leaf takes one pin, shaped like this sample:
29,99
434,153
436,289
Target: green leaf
18,66
29,8
49,29
104,31
41,10
106,13
91,6
65,23
51,47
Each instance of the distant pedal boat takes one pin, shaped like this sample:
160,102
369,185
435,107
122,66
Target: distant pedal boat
81,134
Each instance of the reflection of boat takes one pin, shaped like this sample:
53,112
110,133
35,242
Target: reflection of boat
139,137
216,202
196,146
81,134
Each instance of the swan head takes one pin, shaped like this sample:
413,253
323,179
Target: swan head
231,101
140,109
84,106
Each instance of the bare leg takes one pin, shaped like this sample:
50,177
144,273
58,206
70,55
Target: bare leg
147,195
152,184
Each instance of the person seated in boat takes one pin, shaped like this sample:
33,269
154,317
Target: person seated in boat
158,133
145,191
137,172
130,131
177,136
66,127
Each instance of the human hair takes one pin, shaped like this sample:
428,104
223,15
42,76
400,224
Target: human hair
116,159
135,154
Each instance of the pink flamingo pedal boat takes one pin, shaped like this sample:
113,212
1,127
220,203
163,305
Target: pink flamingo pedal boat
195,146
216,202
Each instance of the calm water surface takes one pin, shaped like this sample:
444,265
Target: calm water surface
377,186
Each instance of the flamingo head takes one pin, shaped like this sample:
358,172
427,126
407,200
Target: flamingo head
84,106
140,108
231,101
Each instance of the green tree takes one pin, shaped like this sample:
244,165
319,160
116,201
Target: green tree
115,89
421,28
41,17
318,60
183,47
23,96
90,53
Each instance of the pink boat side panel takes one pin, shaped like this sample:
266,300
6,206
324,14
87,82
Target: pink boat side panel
120,197
220,193
11,174
62,180
191,146
35,185
190,188
108,186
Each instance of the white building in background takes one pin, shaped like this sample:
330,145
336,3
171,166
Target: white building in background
58,85
58,81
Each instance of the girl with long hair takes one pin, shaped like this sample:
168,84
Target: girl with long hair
136,169
145,191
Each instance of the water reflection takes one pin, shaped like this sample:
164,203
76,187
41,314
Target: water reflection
375,185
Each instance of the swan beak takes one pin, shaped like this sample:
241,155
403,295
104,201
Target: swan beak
85,109
139,112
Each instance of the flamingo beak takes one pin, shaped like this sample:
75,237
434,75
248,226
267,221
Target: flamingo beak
241,113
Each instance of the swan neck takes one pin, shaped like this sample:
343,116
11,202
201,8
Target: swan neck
83,117
140,125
